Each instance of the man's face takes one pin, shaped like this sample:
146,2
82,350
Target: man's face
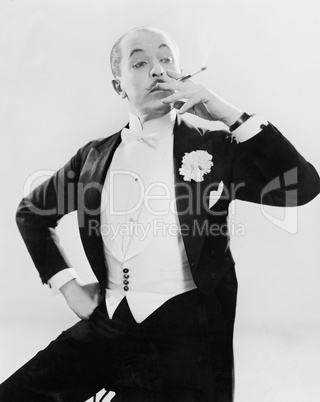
146,56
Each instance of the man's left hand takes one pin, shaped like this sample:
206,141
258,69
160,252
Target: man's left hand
199,100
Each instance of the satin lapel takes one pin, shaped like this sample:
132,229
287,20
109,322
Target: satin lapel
90,186
190,201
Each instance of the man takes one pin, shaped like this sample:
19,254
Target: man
152,202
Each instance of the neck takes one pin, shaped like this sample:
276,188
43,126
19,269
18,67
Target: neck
157,122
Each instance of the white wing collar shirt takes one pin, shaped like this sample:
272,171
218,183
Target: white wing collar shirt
143,248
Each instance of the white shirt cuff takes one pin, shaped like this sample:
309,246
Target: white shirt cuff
249,128
61,278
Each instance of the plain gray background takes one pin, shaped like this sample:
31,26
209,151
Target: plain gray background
262,56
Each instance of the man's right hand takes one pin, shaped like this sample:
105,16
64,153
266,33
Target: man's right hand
81,298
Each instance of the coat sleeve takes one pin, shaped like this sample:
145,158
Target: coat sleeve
39,213
268,169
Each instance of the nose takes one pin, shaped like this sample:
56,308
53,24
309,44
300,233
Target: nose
156,71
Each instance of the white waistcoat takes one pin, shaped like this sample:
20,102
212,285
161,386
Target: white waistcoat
143,248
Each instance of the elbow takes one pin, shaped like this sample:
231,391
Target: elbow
295,188
26,216
21,214
310,185
309,193
301,185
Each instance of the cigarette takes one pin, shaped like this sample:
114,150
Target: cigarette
184,77
189,75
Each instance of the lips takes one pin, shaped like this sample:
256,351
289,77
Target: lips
155,89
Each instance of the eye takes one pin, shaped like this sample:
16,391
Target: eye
139,64
166,60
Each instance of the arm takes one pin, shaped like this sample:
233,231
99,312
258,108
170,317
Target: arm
264,165
273,171
37,217
39,213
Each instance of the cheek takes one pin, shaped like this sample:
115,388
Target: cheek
133,91
137,87
135,84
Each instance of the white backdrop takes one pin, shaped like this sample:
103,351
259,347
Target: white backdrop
55,95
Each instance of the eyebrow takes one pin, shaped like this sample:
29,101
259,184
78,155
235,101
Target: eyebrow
133,51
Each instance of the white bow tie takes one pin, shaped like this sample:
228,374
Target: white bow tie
128,135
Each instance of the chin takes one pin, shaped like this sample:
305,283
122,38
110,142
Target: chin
156,109
160,107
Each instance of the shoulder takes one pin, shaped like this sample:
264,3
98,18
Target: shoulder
99,143
96,145
105,141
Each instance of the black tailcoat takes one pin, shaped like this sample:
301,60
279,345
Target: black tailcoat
266,168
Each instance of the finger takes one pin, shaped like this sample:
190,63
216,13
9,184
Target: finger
185,93
174,85
187,107
179,86
173,74
174,97
179,104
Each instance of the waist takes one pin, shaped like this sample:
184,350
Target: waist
134,276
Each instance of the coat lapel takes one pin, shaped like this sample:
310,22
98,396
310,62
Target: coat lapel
91,183
192,206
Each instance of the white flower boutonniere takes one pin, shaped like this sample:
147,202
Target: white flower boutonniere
195,165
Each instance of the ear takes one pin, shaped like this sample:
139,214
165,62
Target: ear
117,87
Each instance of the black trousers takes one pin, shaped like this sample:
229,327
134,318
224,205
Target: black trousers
167,357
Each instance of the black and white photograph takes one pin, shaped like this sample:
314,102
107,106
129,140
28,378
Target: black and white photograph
160,208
